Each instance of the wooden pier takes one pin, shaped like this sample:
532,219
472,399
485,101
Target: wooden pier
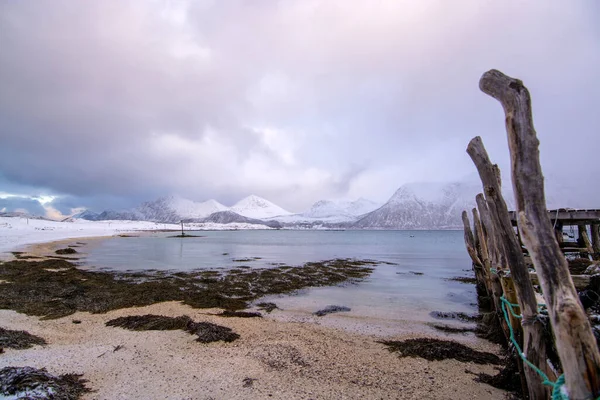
582,227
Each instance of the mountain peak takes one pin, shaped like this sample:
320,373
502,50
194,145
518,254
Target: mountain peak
254,206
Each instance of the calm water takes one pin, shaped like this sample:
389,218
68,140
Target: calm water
392,298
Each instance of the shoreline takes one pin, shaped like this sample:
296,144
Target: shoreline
280,355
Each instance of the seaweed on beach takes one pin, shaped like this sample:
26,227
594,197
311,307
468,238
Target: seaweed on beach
464,279
455,315
453,329
331,310
205,331
239,314
507,378
435,350
67,250
19,339
267,307
151,322
28,383
55,288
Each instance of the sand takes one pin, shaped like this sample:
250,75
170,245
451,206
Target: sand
283,360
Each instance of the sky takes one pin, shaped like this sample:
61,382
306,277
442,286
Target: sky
105,104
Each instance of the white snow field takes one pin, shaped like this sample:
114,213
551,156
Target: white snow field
16,232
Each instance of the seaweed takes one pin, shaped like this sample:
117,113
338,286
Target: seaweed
435,350
54,288
452,329
455,315
508,378
66,250
29,383
240,314
267,307
205,331
19,339
464,279
331,310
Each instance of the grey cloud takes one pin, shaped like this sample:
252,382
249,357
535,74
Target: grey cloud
13,204
124,101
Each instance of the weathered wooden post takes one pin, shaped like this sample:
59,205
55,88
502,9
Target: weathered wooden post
471,249
558,230
533,335
575,341
596,240
585,239
499,263
497,260
483,252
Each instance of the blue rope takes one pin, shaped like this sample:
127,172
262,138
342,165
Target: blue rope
557,388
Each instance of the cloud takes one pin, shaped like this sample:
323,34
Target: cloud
295,101
18,204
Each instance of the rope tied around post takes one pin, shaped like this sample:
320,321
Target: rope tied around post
559,390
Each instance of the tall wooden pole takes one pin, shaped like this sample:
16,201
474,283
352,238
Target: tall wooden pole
575,341
533,331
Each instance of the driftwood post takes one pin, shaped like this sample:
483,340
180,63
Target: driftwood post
596,240
472,250
484,255
575,341
497,260
533,336
470,241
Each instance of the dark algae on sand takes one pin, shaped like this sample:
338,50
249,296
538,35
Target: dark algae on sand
206,331
55,288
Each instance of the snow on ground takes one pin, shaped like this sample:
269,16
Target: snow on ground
16,232
213,226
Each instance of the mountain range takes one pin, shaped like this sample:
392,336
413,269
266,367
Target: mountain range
412,206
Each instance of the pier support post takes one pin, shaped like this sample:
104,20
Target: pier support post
595,228
585,239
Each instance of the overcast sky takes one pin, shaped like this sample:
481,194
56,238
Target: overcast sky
106,104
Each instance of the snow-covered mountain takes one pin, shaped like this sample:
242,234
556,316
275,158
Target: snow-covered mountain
425,206
175,208
340,208
413,206
172,209
230,217
128,215
257,207
325,212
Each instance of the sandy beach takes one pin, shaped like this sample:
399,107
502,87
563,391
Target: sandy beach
282,360
280,356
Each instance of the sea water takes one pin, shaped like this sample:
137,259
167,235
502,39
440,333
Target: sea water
396,296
